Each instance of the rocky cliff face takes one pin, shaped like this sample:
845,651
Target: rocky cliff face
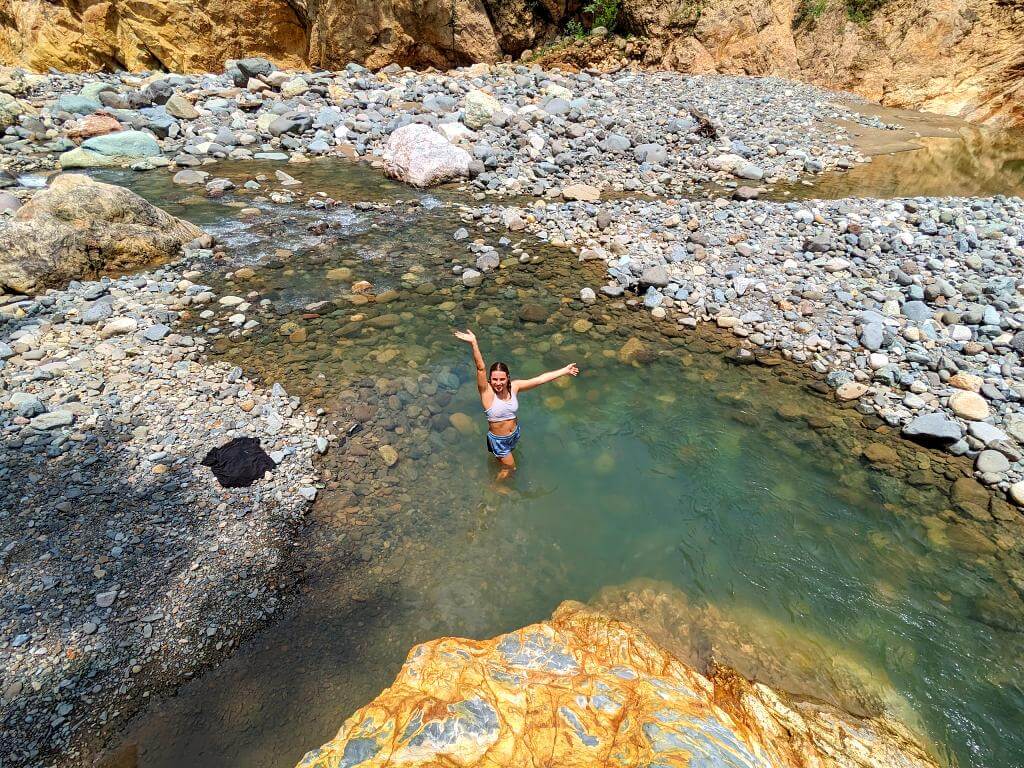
962,57
176,35
583,689
197,36
958,57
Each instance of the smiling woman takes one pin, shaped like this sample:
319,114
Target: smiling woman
499,395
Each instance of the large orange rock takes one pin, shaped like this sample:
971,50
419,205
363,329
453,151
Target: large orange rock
182,36
583,690
175,35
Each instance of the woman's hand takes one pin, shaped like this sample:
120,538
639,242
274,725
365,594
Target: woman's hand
467,336
571,369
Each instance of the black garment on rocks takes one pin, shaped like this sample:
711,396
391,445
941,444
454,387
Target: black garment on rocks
239,463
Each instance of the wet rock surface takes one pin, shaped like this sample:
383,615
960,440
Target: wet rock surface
584,689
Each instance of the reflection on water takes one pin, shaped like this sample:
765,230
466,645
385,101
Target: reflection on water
978,162
746,498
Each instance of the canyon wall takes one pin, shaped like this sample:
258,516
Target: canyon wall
958,57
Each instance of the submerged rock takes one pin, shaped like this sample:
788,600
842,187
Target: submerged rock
583,689
78,227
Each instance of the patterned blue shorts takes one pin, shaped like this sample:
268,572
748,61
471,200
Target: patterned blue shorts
504,445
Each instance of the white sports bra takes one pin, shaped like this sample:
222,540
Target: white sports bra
503,410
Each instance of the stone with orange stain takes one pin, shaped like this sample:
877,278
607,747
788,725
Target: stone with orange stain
583,689
87,126
966,381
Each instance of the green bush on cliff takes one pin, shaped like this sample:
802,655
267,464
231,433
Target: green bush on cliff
808,11
857,11
861,11
575,29
687,13
605,13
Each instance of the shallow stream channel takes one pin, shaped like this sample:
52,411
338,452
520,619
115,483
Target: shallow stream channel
738,493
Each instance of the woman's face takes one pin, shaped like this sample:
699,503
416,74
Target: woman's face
499,381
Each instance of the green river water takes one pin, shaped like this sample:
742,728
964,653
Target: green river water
734,493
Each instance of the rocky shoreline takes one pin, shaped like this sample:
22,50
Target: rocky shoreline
126,564
910,308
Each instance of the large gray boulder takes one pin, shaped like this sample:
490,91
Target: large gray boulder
112,149
419,155
78,228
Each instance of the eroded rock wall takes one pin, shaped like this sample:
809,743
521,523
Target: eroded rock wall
174,35
183,36
583,689
958,57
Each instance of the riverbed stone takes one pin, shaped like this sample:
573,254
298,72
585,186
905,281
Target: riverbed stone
52,419
479,108
463,423
991,461
969,405
935,426
583,192
118,148
420,156
880,453
388,454
1016,493
970,497
851,390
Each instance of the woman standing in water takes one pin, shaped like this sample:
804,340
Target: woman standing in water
499,395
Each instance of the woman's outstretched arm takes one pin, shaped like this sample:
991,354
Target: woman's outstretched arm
544,378
481,370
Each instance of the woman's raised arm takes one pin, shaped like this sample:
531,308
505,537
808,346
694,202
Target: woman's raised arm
481,370
544,378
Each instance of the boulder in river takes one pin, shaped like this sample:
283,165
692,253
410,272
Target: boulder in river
112,149
419,155
78,227
584,689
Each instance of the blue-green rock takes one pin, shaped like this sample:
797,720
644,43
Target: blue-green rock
124,144
77,104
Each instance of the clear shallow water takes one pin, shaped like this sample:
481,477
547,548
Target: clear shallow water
977,162
740,497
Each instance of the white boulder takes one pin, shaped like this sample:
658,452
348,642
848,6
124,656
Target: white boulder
419,155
